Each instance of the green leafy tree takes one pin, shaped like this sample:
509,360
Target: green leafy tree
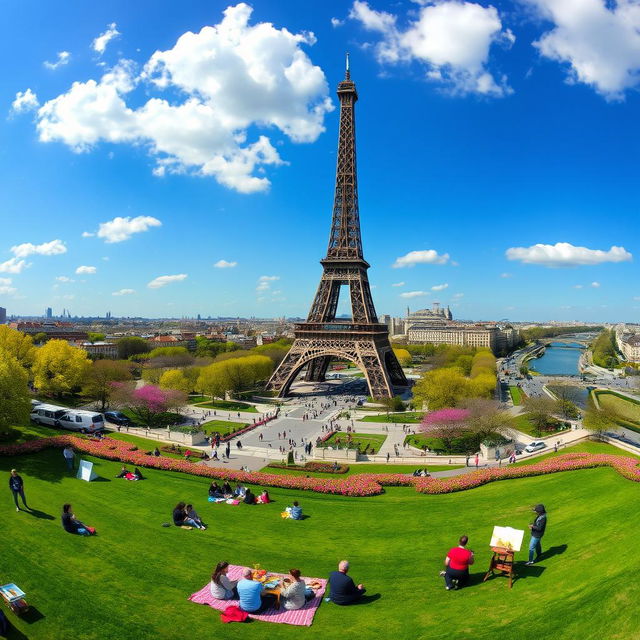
99,377
40,337
131,346
59,368
95,337
539,411
15,404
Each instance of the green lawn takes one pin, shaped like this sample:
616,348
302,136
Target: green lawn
626,408
355,469
197,399
144,444
227,405
361,440
131,582
407,417
522,423
221,426
581,447
516,395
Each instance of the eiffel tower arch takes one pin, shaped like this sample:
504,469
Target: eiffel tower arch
362,340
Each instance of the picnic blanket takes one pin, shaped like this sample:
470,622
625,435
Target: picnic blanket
300,617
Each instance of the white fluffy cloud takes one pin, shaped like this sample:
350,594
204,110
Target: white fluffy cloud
124,292
595,285
86,270
53,248
62,59
451,38
5,287
264,282
162,281
224,264
564,254
25,101
100,43
398,284
440,287
599,40
121,229
426,256
215,88
13,265
414,294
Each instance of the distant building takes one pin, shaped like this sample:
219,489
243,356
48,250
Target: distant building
53,330
49,313
3,315
101,349
628,341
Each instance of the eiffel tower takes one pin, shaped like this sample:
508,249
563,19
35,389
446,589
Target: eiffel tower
363,340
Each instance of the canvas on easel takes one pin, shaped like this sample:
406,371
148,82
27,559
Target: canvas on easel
85,471
507,538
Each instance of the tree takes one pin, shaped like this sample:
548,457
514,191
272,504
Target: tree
97,383
151,375
147,404
564,405
441,388
524,370
16,344
403,356
40,337
446,424
599,420
59,368
539,411
175,379
212,381
486,420
131,346
14,393
92,336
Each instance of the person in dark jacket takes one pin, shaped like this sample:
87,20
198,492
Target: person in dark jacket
249,497
71,524
17,488
537,527
343,589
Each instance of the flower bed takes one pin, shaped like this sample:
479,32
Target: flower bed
249,427
366,484
325,437
315,467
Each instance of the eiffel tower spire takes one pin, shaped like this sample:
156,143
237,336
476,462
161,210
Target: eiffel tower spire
362,340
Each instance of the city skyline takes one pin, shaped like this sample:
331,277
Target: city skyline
496,169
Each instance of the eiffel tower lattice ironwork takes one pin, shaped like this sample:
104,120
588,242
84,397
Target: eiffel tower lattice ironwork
362,340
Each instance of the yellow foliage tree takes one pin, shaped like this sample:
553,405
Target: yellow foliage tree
176,380
16,344
14,393
59,368
404,357
441,388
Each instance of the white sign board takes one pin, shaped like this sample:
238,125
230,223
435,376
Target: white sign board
507,538
85,471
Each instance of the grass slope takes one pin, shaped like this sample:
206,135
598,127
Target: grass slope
361,440
132,580
516,395
626,408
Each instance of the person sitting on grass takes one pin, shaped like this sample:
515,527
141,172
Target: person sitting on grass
263,498
252,600
214,490
293,592
239,492
123,472
156,452
457,563
138,474
227,491
180,518
221,587
72,525
343,589
294,511
192,514
249,497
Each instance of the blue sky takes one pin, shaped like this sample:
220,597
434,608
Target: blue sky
483,131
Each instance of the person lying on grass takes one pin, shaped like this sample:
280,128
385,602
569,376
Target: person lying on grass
72,525
457,563
180,518
123,472
221,587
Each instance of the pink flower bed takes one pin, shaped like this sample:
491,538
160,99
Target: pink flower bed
326,436
365,484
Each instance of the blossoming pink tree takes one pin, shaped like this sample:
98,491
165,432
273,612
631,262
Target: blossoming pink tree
148,404
446,424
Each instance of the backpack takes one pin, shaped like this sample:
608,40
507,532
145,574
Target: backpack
234,614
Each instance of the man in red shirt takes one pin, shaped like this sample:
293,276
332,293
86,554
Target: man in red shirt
457,564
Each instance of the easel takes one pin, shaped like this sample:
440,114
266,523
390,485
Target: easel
502,562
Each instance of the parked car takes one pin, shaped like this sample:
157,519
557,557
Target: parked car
35,403
117,417
48,414
85,421
536,445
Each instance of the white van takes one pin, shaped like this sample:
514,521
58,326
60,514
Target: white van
48,414
78,420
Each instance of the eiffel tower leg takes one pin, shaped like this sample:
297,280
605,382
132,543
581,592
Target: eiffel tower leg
373,364
317,369
396,374
287,370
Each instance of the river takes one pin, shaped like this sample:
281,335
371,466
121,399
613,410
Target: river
559,359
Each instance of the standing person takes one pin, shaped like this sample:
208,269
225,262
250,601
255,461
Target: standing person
457,564
537,527
228,450
343,589
69,456
477,460
17,488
